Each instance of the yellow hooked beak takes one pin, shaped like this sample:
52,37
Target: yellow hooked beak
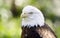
24,15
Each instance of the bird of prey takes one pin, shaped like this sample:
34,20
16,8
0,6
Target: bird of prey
33,24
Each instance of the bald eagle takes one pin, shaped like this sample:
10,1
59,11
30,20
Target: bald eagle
33,24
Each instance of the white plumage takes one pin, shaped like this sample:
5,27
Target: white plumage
32,16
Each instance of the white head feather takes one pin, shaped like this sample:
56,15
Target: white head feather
32,16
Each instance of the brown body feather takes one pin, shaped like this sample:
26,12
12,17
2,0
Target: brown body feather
38,32
46,32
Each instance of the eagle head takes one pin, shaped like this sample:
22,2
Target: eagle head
32,16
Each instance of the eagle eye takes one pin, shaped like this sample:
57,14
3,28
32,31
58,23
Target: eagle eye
31,13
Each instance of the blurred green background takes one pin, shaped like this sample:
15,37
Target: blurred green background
10,11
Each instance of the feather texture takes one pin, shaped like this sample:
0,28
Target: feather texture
33,25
